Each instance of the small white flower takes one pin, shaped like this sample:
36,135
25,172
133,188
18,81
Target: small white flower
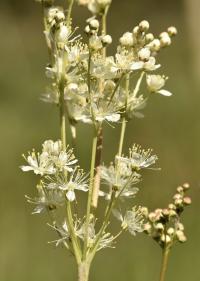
139,158
133,220
155,83
39,164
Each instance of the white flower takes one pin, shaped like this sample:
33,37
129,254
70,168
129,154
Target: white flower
138,158
104,68
155,83
121,178
52,159
46,201
132,221
39,164
77,181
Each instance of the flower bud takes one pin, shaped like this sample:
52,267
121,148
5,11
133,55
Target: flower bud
170,231
186,186
94,24
181,236
166,239
187,200
144,25
159,226
127,39
155,45
136,30
165,39
144,54
106,39
178,202
172,30
87,29
149,37
179,189
60,16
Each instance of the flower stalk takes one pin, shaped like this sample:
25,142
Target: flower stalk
165,259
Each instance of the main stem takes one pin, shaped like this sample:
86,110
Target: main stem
165,258
99,148
83,271
92,171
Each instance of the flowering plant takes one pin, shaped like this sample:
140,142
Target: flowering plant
92,87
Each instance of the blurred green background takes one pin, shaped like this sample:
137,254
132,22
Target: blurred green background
171,126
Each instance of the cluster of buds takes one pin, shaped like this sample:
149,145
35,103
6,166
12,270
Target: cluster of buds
95,6
164,225
141,39
96,42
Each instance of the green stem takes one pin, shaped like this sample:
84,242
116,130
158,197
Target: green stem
83,271
62,113
122,134
104,225
74,240
165,258
92,170
71,2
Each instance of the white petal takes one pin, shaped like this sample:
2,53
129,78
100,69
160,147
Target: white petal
136,65
165,93
26,168
70,195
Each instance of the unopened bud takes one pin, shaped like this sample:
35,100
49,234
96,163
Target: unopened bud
127,39
186,186
144,54
179,189
165,39
106,39
181,236
187,200
144,25
170,231
172,30
149,37
155,45
94,24
159,226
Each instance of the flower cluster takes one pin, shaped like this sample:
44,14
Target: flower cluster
164,225
93,84
60,177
